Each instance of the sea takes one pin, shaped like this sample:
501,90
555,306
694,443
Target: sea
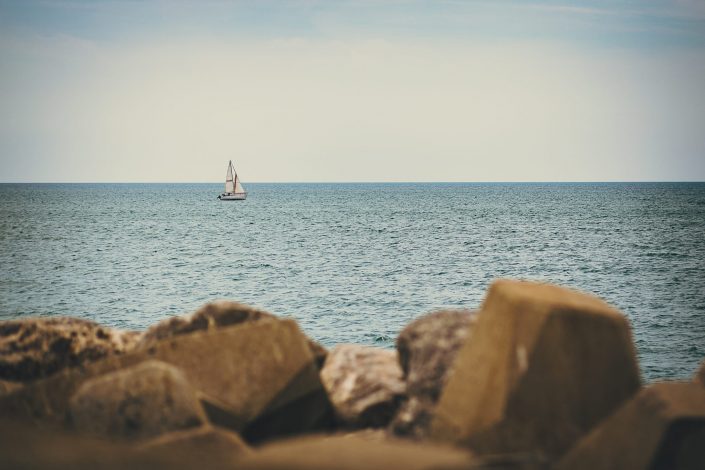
354,263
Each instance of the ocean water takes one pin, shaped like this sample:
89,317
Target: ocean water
355,263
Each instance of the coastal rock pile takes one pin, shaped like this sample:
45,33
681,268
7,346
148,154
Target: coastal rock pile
539,377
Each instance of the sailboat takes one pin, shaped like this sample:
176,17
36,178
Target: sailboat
233,189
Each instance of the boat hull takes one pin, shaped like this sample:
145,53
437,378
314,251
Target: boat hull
232,196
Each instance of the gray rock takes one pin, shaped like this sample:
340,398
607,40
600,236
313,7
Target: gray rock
35,348
364,384
138,402
427,347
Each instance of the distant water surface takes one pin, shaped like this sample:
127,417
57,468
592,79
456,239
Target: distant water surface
356,262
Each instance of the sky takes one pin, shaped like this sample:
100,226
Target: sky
309,91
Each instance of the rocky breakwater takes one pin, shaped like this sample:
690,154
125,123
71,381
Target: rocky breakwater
539,377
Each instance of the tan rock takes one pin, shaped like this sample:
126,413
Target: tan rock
364,384
138,402
202,446
209,317
427,348
257,378
545,364
27,447
35,348
353,453
663,427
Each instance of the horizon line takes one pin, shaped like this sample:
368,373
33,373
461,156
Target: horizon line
366,182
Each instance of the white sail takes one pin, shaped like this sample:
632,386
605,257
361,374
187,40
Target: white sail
229,183
233,188
238,186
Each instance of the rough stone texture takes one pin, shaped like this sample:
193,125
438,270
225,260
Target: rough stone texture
139,402
353,453
35,348
364,384
210,316
257,378
427,348
700,374
413,418
200,445
663,427
214,315
545,364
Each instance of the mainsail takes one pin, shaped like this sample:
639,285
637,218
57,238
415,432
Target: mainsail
229,181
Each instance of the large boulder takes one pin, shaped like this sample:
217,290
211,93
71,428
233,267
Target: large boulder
364,384
354,453
211,316
427,348
35,348
545,364
259,379
138,402
201,446
663,427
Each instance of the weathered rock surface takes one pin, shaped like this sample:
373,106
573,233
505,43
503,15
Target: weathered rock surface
354,453
35,348
257,378
663,427
427,348
700,374
209,317
545,364
138,402
200,446
364,384
212,316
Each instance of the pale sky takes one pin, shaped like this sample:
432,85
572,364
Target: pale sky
108,91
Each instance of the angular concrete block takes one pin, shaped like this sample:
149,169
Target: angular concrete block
543,366
354,453
142,401
663,427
